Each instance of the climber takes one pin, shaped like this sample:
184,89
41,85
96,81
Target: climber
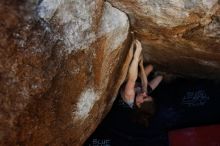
137,95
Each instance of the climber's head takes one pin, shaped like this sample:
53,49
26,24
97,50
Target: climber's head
144,110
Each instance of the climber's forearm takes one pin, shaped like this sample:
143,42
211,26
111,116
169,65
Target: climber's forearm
129,92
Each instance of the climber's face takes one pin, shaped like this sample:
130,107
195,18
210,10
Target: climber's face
141,98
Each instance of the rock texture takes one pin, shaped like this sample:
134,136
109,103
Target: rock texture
180,37
62,61
59,69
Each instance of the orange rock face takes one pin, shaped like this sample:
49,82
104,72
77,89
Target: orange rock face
59,69
180,37
63,61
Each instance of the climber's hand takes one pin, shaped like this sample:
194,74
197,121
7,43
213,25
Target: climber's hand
142,97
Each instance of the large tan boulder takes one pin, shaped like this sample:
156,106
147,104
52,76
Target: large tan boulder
60,69
63,61
179,36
